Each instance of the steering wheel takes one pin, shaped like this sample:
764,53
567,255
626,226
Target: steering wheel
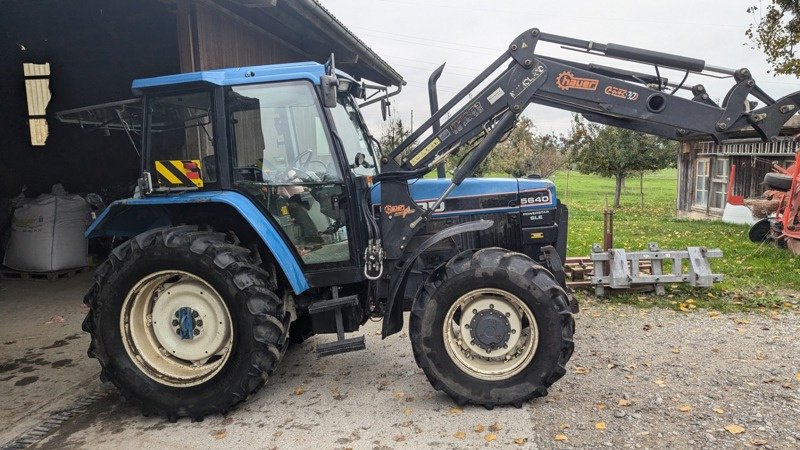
303,161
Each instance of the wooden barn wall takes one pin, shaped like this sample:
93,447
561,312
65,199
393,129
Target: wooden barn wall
95,49
212,37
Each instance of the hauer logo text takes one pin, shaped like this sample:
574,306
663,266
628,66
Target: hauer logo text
566,81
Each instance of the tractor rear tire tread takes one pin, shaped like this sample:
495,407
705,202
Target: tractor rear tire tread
251,300
532,278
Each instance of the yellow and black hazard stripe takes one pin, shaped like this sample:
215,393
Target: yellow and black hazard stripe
177,173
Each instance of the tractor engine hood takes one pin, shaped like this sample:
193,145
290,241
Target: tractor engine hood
480,195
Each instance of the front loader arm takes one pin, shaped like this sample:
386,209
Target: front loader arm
603,94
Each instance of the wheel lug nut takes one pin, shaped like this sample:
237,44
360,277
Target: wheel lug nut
508,314
176,314
199,323
195,314
474,311
196,332
178,331
491,305
175,322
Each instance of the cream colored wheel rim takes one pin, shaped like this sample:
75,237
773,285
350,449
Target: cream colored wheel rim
176,328
503,317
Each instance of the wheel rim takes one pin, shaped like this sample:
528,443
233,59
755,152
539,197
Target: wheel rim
176,328
490,334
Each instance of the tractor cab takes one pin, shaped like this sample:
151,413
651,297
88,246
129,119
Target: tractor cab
263,132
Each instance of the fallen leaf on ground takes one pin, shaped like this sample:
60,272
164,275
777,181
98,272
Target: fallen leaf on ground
277,434
399,438
758,442
580,370
797,376
734,429
520,441
55,319
490,437
219,434
398,395
600,406
460,435
719,410
659,382
600,425
685,408
741,321
564,426
675,350
299,391
479,428
407,411
623,402
497,426
455,410
560,437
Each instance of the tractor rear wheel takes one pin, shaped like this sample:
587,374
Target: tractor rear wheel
184,322
492,327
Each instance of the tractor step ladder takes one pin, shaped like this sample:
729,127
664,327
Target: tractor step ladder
340,345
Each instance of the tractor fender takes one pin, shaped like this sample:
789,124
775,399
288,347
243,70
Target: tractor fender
130,217
393,317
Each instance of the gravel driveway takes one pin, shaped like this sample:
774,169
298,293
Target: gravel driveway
639,378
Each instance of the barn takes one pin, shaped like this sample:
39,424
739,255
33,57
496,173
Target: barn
62,54
705,169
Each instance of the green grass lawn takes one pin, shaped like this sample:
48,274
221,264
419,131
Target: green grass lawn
755,275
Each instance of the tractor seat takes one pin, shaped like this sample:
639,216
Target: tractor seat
778,181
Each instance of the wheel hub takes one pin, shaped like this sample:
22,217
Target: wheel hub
187,322
490,329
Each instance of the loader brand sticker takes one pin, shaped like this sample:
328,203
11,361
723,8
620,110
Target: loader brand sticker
621,93
461,122
535,198
495,96
566,81
425,151
527,81
398,210
179,173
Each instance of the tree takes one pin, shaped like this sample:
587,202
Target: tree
394,132
776,32
526,153
617,152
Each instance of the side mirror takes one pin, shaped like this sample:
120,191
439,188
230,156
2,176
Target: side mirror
329,86
359,160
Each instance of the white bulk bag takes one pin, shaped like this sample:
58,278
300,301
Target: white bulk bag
47,234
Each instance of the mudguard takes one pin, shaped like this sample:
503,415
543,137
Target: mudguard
129,217
393,317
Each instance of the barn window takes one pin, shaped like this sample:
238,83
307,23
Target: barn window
37,91
701,182
719,182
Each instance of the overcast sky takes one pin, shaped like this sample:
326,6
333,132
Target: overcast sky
415,36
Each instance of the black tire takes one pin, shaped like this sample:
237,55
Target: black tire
778,181
517,274
760,231
259,321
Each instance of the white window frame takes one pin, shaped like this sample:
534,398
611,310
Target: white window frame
706,185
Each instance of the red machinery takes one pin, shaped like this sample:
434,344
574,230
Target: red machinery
782,194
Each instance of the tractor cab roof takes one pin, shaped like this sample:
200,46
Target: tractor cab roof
310,71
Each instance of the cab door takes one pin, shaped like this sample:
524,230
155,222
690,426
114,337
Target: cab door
283,158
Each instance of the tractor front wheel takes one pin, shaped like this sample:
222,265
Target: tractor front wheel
492,327
184,322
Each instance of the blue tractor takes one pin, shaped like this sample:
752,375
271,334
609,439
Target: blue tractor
267,213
